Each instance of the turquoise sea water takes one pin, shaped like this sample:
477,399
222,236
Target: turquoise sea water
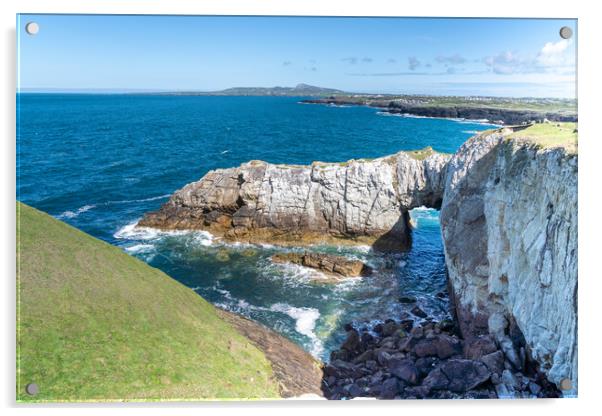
99,162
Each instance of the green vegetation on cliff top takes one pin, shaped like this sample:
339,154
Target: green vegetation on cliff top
550,135
97,324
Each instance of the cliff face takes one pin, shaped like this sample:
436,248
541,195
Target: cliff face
508,221
360,200
509,225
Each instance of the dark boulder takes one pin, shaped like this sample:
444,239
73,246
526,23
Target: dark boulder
464,375
458,376
494,362
389,389
418,312
339,369
352,343
404,370
442,346
407,299
389,328
425,365
480,346
436,380
365,356
339,355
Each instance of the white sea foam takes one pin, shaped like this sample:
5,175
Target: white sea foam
362,248
129,201
132,231
296,275
203,238
456,119
305,318
140,248
225,151
424,215
73,214
88,207
305,323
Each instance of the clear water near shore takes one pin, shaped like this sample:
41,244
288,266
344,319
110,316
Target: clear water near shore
99,162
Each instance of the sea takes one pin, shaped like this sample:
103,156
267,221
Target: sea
99,162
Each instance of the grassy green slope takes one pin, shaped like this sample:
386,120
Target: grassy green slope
97,324
550,135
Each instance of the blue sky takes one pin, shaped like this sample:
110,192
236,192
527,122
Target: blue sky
505,57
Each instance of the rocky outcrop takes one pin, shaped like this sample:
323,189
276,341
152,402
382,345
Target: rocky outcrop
509,225
359,201
337,266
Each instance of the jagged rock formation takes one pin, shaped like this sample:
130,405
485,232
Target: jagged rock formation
509,225
363,201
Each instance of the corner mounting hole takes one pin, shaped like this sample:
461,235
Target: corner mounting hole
565,384
32,28
32,389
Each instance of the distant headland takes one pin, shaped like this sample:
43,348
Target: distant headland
499,110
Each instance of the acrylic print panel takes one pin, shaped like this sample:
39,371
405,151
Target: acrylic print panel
215,207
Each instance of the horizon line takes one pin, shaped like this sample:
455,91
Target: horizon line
125,91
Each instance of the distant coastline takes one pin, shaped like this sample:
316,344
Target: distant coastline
496,110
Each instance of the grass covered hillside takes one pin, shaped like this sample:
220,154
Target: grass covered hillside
97,324
550,135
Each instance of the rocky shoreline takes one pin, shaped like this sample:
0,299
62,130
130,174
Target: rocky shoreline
403,359
492,115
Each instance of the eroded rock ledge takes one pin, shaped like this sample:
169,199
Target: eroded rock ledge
359,201
335,266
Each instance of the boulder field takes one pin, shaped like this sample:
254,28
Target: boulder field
508,221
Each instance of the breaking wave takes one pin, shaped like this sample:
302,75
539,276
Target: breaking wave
73,214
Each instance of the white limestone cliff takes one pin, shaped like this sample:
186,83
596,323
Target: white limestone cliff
509,225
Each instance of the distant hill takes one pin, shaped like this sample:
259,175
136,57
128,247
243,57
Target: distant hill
301,90
97,324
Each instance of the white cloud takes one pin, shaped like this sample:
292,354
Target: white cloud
554,54
506,63
552,58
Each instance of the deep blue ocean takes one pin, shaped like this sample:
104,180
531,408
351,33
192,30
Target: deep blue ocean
99,162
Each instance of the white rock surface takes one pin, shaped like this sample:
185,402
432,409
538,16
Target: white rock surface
351,199
509,224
